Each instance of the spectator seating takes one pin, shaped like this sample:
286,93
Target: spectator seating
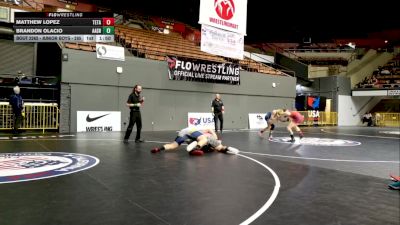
153,45
387,76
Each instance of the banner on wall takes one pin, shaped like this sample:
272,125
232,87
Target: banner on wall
201,120
4,14
98,121
225,14
257,121
220,42
203,71
110,52
393,92
316,103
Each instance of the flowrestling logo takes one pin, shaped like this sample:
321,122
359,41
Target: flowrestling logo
225,8
101,50
317,141
26,166
202,71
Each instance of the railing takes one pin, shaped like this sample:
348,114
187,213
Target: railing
33,88
330,119
323,118
34,4
273,64
318,50
38,116
387,119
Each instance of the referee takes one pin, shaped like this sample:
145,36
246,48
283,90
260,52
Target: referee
217,109
135,101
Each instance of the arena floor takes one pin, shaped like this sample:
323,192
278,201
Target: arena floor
333,176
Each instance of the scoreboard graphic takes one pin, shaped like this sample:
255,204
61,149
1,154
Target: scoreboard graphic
63,27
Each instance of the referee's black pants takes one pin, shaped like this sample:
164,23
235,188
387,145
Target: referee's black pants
218,116
17,122
135,117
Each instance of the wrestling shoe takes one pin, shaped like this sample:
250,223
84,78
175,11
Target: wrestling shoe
395,185
191,146
196,152
155,150
232,150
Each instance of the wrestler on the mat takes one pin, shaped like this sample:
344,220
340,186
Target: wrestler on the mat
200,140
272,118
295,119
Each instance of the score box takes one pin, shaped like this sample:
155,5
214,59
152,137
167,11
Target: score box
108,21
108,30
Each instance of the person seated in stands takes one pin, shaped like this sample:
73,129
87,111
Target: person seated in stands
367,118
385,72
374,81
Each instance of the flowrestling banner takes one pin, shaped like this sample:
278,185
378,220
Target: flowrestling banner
203,71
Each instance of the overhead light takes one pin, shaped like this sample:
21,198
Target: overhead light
351,45
386,41
18,2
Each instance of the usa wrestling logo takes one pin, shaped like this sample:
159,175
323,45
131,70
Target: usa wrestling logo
194,121
26,166
201,121
317,141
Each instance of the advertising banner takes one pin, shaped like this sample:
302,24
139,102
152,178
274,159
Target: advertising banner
203,71
98,121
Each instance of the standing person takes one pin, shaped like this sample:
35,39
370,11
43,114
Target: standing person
17,104
135,101
217,109
272,118
295,119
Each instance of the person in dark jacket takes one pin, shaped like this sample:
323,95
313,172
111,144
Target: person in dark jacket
135,101
217,109
17,104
